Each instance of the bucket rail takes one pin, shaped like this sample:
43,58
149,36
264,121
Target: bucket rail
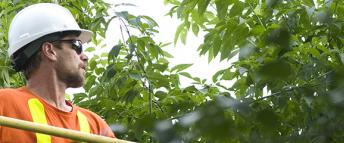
56,131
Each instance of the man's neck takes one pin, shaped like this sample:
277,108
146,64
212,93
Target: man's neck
49,89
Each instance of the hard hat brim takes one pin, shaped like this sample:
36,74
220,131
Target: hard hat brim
85,35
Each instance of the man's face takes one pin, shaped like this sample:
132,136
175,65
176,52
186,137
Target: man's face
71,64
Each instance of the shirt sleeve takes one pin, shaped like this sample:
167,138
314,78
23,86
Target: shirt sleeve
100,127
105,129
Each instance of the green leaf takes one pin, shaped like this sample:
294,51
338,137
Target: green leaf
237,9
268,118
229,42
309,3
166,54
90,49
211,54
132,48
99,71
136,21
258,30
151,22
202,6
158,79
216,45
195,29
157,51
240,34
190,77
186,74
123,14
190,89
110,72
226,53
183,35
180,67
222,7
180,28
131,95
276,70
114,52
90,81
217,74
160,67
92,64
227,75
203,49
135,76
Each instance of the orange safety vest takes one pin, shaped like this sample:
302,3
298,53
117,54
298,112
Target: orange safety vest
38,116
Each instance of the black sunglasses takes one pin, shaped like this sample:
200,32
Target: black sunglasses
76,45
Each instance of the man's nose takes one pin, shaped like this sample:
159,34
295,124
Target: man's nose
84,57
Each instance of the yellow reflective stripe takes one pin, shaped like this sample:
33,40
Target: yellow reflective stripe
38,116
83,123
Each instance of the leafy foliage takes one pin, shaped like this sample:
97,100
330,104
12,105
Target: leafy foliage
287,83
291,48
132,82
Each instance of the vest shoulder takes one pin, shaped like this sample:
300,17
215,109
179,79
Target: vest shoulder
86,111
9,93
90,113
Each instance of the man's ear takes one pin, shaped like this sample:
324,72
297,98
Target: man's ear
48,51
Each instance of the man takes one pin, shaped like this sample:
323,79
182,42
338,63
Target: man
45,43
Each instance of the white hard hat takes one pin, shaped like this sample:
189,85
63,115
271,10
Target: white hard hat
38,20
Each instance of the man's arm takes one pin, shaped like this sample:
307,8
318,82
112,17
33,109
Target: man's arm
105,130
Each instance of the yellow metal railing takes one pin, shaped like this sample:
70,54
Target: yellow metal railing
56,131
